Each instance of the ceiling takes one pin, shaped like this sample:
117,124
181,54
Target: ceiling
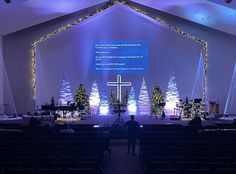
215,14
20,14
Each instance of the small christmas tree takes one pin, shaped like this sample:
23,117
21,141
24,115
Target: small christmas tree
172,94
65,93
197,109
81,98
94,98
143,101
157,102
104,106
112,99
132,103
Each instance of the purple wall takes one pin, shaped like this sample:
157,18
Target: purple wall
72,51
120,25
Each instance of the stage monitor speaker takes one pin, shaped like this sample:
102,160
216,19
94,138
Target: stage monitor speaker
174,117
197,100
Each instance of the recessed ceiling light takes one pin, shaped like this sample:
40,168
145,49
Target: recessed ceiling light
7,1
228,1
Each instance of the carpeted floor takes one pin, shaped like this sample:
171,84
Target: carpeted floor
121,162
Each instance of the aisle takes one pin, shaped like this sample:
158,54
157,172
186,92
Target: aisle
121,162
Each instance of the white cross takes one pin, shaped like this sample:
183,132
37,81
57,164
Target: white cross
118,85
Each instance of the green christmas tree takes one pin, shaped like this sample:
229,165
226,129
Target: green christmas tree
157,101
82,97
197,109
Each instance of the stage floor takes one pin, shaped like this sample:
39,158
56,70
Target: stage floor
110,119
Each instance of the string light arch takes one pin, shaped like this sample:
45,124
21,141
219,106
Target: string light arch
100,10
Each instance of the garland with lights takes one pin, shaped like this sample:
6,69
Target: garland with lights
78,21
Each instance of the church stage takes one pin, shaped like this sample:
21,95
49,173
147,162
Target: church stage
109,120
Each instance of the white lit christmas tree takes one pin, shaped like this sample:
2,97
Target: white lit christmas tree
172,95
94,98
104,105
143,101
65,93
132,103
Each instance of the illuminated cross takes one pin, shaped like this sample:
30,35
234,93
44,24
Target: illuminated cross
118,85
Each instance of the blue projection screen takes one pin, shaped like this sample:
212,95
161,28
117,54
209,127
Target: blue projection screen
123,57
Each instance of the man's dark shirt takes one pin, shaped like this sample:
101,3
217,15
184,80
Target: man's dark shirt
132,127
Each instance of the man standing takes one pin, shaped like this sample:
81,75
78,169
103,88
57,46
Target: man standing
132,133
